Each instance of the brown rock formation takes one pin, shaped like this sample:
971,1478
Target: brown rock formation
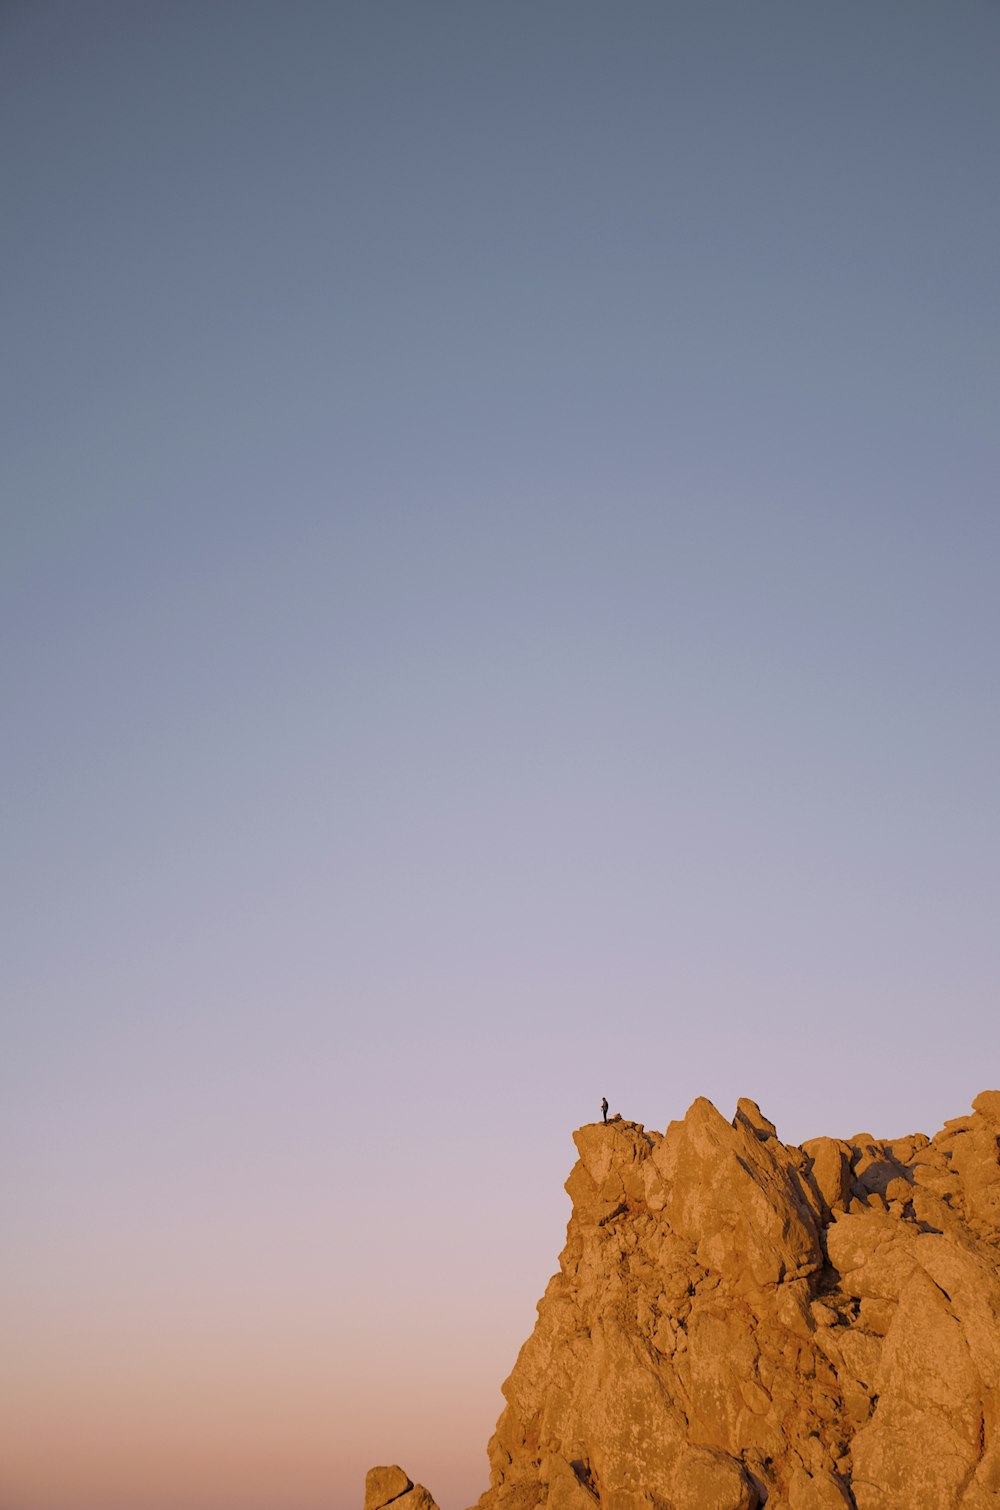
391,1486
736,1322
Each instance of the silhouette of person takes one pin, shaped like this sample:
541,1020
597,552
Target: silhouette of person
604,1107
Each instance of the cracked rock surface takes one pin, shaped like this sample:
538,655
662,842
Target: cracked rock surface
390,1486
738,1322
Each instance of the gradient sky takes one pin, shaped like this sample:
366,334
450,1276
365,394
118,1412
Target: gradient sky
500,605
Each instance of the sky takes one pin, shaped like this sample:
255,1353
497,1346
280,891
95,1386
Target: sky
498,606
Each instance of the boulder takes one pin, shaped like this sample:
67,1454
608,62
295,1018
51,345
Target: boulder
987,1104
830,1171
740,1200
383,1485
391,1486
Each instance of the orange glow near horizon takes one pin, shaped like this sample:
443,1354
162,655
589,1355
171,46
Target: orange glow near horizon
164,1443
210,1422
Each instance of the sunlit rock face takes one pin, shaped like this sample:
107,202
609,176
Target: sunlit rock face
736,1322
391,1486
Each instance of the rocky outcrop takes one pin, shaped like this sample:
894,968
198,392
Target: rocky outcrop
391,1486
738,1322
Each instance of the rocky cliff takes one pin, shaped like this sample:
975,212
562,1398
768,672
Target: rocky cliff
737,1322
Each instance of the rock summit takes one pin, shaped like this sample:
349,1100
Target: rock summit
737,1322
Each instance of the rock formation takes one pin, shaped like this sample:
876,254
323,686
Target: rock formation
737,1322
391,1486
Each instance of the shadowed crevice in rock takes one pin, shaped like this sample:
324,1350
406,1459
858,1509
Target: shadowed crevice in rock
739,1322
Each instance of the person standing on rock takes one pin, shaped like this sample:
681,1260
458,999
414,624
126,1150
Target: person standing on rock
604,1107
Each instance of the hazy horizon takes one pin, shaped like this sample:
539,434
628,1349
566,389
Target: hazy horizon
500,543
